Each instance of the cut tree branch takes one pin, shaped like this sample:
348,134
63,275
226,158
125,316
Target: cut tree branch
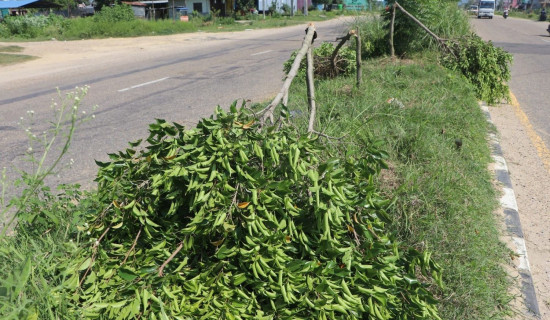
267,113
438,39
310,89
161,269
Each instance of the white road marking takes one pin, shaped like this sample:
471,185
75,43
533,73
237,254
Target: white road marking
143,84
545,40
258,53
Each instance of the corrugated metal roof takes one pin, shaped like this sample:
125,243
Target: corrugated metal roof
9,4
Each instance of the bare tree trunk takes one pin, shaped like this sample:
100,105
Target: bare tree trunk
392,48
310,90
308,40
338,46
358,59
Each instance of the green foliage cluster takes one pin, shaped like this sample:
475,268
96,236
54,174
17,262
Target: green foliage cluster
485,66
345,61
117,13
25,26
232,221
443,18
374,40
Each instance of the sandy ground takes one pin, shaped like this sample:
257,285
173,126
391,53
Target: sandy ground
530,177
60,56
522,151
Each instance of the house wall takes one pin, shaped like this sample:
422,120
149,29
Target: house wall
298,4
205,5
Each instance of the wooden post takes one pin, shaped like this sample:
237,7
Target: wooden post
392,48
310,90
358,58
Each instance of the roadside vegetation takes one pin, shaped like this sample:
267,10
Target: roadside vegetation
119,21
388,214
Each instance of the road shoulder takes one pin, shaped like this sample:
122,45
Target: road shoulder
530,182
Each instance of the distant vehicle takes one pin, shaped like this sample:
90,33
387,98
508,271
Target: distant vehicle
473,10
486,8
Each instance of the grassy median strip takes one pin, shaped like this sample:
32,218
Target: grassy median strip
428,121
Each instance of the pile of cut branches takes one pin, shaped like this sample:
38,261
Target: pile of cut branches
485,66
322,57
233,221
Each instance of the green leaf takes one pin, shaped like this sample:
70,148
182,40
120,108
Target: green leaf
127,274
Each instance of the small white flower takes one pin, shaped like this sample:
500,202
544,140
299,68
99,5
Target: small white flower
93,116
97,243
83,112
77,98
29,149
75,107
70,240
71,161
21,118
88,232
86,224
34,136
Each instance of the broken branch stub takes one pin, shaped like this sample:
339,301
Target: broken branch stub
340,44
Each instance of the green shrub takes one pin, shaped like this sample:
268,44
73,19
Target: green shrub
25,26
374,40
445,19
118,13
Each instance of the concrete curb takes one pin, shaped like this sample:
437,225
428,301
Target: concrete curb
513,225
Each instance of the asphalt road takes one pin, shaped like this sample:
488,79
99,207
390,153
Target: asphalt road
180,79
529,43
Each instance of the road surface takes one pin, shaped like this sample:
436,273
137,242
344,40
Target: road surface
180,78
